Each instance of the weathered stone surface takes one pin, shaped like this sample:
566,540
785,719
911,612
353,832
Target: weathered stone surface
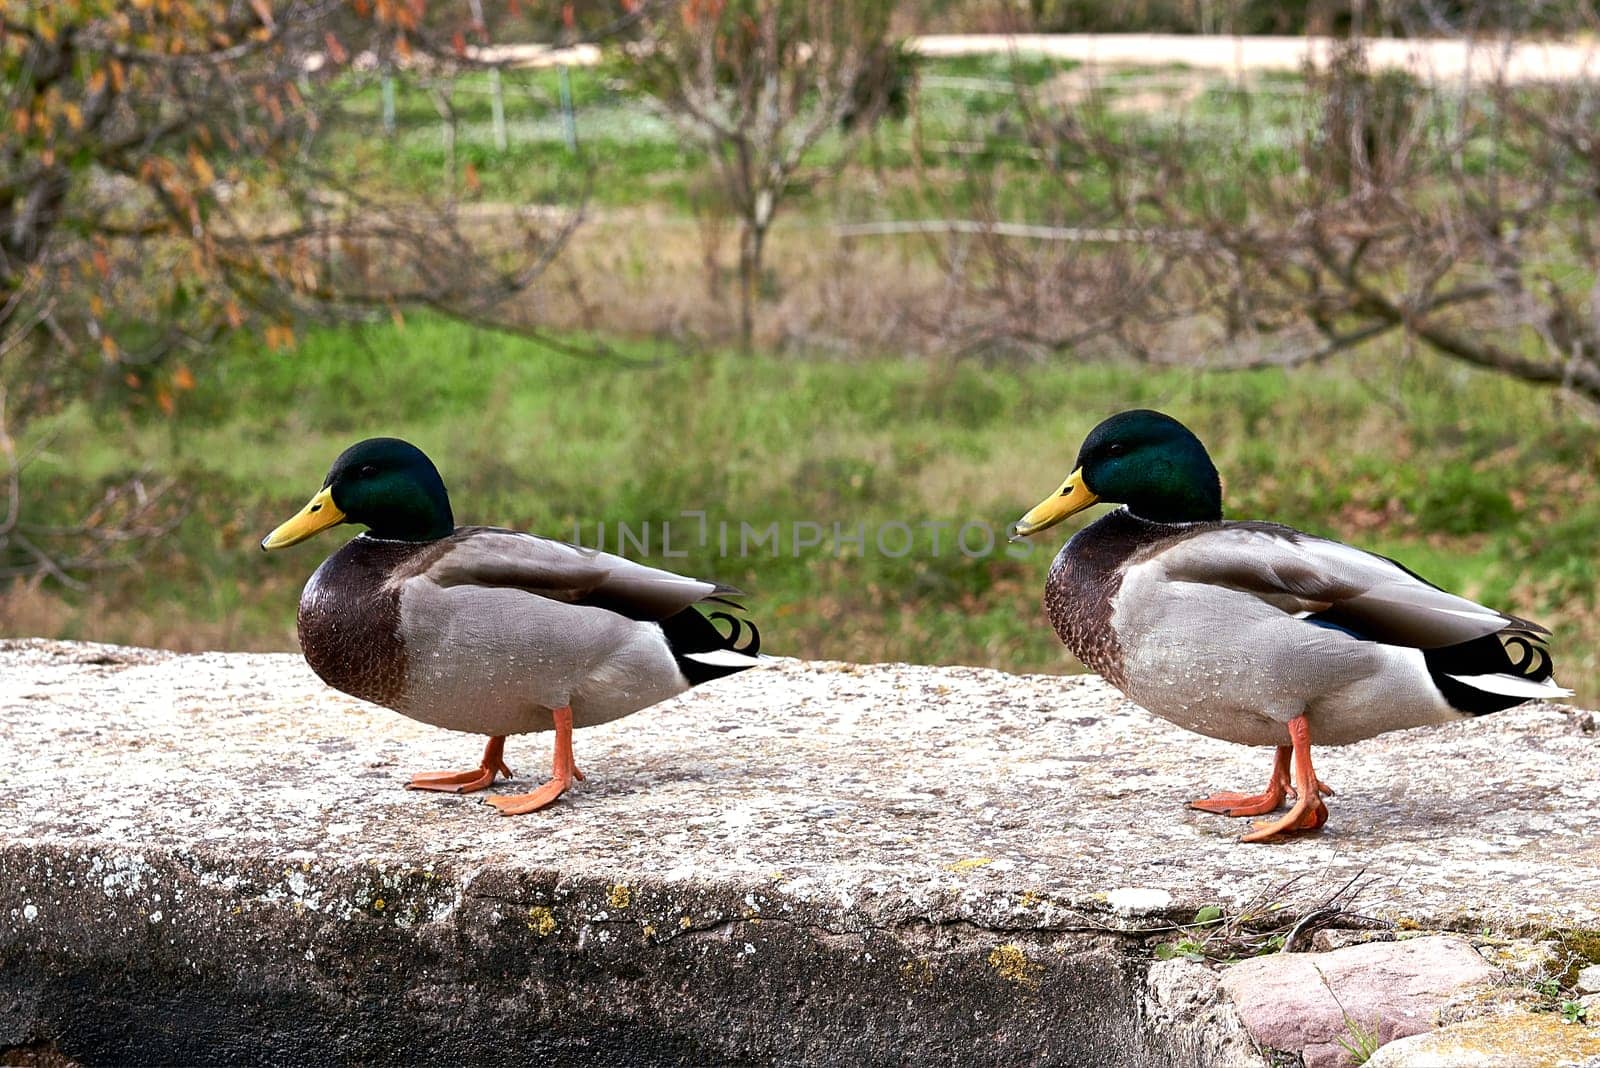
1338,938
1306,1003
1509,997
1184,1003
1588,981
211,857
1520,1040
1525,960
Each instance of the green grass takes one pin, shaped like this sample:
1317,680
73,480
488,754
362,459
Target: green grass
628,153
1476,482
967,140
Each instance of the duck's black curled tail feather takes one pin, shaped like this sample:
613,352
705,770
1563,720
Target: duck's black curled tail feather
689,632
737,627
1494,672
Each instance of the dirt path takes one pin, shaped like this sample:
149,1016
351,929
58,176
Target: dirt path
1437,60
1431,59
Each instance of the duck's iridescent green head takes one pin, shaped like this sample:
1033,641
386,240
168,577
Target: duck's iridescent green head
1148,461
387,484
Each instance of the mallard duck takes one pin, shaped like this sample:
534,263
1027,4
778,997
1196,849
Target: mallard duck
1257,633
492,631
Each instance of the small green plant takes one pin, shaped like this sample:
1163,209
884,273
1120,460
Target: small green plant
1273,944
1192,948
1358,1041
1186,948
1547,988
1573,1012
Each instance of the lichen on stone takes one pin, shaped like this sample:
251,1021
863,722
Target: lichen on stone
1013,964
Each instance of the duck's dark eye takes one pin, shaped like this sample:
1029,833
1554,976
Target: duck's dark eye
366,471
1116,448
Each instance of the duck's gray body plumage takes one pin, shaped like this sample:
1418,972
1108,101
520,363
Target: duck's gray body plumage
490,630
1232,629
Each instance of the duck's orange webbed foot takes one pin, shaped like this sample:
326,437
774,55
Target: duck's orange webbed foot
521,804
563,773
465,782
1268,800
1308,813
1231,804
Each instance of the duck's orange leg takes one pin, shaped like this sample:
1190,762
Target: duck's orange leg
1268,800
465,782
563,772
1308,813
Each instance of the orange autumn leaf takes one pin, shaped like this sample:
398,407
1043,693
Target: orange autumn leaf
202,169
108,348
471,176
280,336
183,378
164,400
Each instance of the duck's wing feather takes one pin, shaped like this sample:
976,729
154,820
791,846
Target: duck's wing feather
491,557
1304,575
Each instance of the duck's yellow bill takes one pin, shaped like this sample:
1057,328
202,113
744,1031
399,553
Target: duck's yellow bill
318,515
1069,499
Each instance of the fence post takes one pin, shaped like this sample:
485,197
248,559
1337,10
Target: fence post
569,122
388,103
497,108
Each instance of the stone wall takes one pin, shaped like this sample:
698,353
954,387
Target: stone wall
211,858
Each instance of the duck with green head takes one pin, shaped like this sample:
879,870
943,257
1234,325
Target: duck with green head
1257,633
492,631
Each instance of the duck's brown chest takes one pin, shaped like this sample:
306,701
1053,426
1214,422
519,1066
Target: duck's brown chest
1080,594
349,620
1079,607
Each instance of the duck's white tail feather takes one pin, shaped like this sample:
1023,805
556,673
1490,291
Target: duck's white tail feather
1513,686
727,658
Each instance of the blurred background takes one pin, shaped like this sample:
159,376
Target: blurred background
827,262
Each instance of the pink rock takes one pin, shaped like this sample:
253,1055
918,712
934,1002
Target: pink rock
1304,1002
